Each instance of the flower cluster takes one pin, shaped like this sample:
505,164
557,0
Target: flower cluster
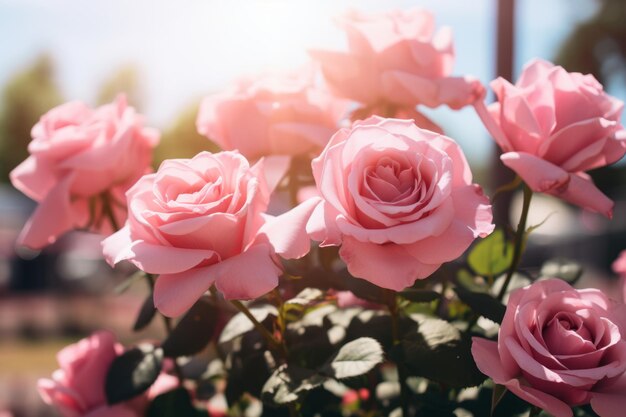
366,172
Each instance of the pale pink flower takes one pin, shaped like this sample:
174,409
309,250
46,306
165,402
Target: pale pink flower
552,126
79,155
396,57
273,114
201,221
398,199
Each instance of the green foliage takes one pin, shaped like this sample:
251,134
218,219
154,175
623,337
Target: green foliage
492,255
125,80
146,313
420,295
193,332
565,269
174,403
438,351
482,303
132,373
181,139
355,358
25,98
240,324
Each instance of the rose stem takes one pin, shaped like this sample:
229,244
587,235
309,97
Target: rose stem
392,305
271,340
519,241
107,211
168,328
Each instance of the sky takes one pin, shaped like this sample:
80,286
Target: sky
189,48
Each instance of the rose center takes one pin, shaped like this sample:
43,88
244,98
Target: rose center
391,180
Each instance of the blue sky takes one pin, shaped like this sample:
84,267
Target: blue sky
187,48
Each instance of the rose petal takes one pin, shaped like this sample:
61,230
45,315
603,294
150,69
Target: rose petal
388,266
287,232
539,174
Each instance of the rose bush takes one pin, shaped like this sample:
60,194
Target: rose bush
560,347
201,221
77,389
552,127
82,162
273,114
396,58
398,199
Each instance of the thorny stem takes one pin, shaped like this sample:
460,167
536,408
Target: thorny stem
519,241
269,338
107,211
168,328
392,305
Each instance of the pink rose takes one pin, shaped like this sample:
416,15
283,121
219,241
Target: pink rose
201,221
77,389
552,126
560,347
397,58
398,199
81,157
276,114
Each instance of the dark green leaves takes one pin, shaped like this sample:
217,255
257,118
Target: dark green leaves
439,352
146,313
482,303
193,332
132,373
241,324
420,295
492,255
287,384
355,358
174,403
565,269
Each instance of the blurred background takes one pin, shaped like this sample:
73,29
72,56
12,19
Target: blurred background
166,55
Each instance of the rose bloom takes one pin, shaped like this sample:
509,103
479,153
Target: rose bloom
201,221
560,347
398,199
77,389
80,157
396,58
274,114
552,126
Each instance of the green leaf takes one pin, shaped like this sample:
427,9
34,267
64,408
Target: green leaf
132,373
420,295
355,358
176,403
288,383
492,255
565,269
146,314
439,352
128,282
240,324
482,303
362,288
306,297
193,332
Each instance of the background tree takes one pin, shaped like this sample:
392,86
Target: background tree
124,80
181,139
26,96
